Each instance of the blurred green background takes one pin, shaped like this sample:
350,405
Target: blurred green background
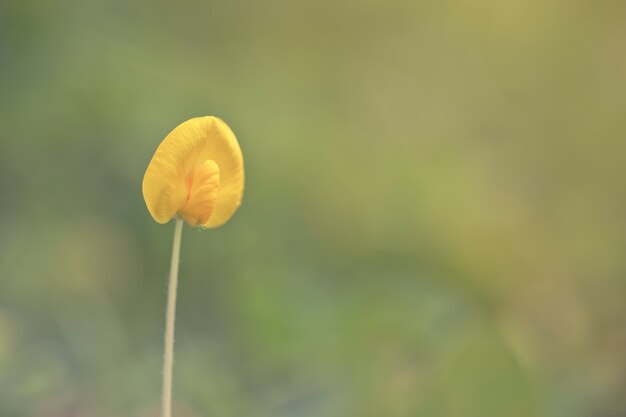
434,220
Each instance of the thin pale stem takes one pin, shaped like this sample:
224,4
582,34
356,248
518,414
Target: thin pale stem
168,355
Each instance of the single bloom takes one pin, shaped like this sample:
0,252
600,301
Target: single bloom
197,173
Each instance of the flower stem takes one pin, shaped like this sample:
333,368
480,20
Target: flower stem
168,355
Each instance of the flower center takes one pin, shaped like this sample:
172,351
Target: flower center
202,183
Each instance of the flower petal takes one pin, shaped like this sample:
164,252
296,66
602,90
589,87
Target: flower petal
225,151
163,186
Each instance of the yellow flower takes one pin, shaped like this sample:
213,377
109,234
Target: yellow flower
197,173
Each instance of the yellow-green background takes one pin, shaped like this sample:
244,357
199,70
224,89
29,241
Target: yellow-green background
433,225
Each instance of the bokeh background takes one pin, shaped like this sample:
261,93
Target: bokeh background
434,223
